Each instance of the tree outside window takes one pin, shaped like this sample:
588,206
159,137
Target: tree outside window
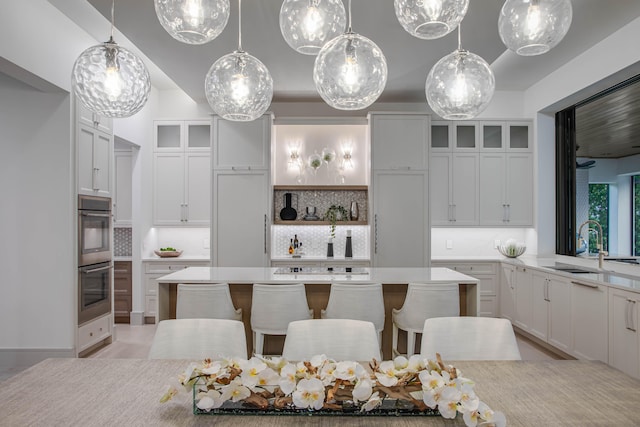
599,211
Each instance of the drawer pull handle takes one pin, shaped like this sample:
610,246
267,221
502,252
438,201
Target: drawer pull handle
586,285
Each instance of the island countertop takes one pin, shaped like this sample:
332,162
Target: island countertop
270,275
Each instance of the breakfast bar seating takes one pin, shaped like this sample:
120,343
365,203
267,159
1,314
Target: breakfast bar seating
317,288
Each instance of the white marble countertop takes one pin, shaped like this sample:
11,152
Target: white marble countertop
181,258
242,275
625,277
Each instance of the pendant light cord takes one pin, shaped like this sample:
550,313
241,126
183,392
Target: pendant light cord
459,37
240,26
113,3
349,30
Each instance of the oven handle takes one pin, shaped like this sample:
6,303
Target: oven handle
95,270
105,215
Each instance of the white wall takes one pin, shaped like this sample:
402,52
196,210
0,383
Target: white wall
590,72
37,254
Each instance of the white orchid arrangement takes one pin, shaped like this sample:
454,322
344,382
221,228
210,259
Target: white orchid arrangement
322,384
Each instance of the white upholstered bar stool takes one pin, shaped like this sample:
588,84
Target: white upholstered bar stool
273,307
198,339
206,301
358,302
423,301
469,338
339,339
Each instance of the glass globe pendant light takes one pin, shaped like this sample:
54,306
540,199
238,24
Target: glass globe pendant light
430,19
110,80
533,27
350,72
238,86
193,21
460,85
307,25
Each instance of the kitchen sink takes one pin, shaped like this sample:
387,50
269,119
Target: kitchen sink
570,269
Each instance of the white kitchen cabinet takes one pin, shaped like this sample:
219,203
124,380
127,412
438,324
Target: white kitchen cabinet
560,327
242,145
454,189
624,338
524,298
153,270
589,317
399,141
540,301
241,218
92,333
242,205
506,174
508,292
89,118
400,219
486,273
506,189
182,173
95,161
122,191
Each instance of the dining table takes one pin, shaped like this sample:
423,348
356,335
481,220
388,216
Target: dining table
127,392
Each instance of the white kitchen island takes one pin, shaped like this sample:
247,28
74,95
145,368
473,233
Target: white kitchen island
241,279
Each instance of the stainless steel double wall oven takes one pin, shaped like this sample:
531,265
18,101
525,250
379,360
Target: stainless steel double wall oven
95,266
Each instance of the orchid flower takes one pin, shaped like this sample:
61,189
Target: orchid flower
235,391
210,400
309,394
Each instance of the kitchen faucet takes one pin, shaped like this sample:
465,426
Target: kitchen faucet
599,239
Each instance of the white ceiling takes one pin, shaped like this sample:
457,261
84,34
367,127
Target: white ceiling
409,59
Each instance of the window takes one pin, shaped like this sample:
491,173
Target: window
636,215
599,211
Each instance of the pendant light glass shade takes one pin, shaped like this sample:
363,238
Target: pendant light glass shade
350,72
430,19
110,80
460,86
239,87
307,25
533,27
193,21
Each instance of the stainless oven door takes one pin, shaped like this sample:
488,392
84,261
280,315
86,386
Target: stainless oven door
94,237
94,291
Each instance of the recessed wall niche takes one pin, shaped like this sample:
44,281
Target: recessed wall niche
295,144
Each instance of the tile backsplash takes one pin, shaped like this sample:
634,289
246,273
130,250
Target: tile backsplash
122,242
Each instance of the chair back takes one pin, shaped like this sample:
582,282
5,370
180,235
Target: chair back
426,300
205,301
198,339
356,301
274,306
339,339
469,338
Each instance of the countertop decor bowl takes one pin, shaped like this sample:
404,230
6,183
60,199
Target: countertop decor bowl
168,254
512,249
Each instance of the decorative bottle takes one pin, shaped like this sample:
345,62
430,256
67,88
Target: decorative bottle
291,247
348,249
353,212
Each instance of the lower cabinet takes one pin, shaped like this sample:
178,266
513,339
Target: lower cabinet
589,319
122,294
154,270
508,292
624,338
94,332
486,273
559,303
524,298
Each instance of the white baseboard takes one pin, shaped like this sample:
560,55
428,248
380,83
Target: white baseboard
22,358
137,318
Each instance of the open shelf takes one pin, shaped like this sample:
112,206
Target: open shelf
303,222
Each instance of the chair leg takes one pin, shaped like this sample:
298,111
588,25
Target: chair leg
394,342
258,343
411,343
